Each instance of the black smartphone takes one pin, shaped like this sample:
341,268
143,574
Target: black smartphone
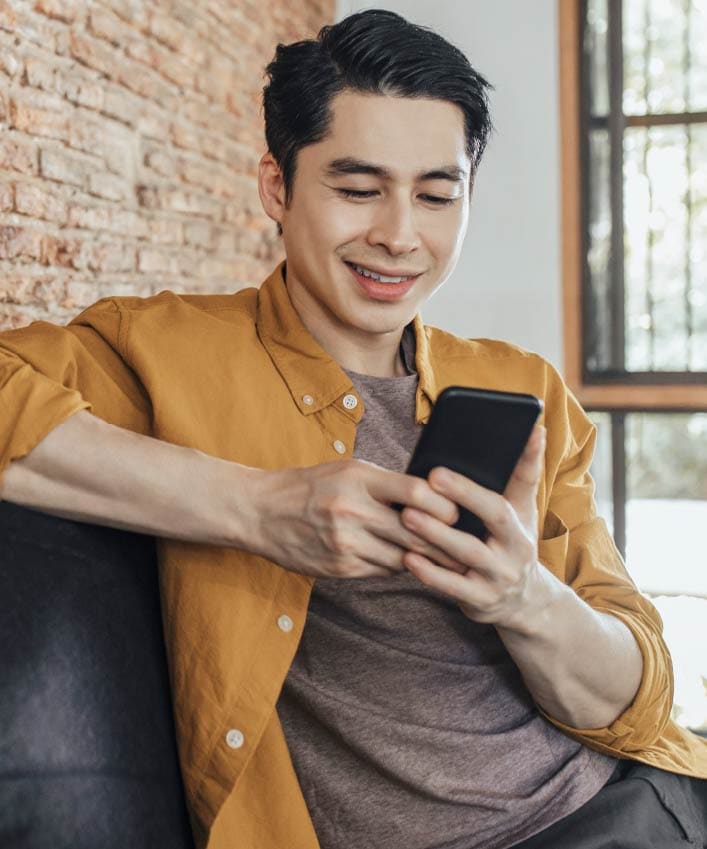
479,433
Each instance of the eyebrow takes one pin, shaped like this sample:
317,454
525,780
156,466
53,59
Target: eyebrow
349,165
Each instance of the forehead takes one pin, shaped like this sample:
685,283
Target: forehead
400,133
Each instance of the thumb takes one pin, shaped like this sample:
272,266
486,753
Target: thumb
522,487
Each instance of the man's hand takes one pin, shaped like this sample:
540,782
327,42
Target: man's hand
334,520
499,580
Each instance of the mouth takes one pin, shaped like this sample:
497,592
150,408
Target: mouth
379,286
396,276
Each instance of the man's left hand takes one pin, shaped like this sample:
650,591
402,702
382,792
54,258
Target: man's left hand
498,581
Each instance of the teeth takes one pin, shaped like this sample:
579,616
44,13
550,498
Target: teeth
380,278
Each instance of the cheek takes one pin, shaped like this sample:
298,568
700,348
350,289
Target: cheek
446,234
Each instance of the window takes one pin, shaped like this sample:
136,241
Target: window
634,124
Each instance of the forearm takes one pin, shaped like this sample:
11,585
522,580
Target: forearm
88,470
581,666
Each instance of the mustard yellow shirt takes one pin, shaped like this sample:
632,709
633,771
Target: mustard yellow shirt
239,377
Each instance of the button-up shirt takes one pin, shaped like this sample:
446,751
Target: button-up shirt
239,376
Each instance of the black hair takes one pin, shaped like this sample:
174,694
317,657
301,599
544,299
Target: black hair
374,52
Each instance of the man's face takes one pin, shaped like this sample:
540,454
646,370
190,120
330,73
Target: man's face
386,192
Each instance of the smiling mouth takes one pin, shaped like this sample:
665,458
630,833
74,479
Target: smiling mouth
381,278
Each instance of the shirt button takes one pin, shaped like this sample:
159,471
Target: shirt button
235,738
284,623
308,400
350,401
339,446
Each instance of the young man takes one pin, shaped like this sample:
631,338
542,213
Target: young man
429,690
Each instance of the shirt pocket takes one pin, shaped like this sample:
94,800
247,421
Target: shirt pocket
554,544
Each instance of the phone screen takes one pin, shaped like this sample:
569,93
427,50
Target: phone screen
479,433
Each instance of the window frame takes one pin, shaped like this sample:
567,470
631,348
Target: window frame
619,392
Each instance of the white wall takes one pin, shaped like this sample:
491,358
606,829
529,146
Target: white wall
507,283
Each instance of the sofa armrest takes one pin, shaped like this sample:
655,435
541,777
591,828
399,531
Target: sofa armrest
87,748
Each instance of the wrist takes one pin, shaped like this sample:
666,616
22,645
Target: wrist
233,514
532,618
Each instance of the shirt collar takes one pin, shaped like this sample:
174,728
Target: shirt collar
313,376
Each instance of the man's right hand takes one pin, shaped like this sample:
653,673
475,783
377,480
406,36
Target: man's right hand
334,520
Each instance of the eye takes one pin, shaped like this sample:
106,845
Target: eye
357,193
438,201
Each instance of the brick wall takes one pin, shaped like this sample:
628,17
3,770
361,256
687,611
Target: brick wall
130,132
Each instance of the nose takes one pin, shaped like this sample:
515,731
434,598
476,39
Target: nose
394,227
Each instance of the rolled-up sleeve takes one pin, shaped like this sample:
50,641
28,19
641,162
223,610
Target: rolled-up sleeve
49,372
577,547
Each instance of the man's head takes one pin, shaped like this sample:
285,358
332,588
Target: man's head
371,52
375,131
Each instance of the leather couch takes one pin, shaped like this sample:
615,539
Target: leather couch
88,756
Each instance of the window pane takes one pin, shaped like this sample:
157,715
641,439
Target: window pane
598,331
666,465
665,232
595,46
665,56
697,77
666,509
685,633
646,311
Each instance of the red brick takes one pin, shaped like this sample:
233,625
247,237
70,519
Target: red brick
66,167
40,73
17,154
108,257
59,251
11,62
39,122
108,186
121,104
20,242
198,233
199,174
110,219
177,37
8,18
7,197
186,136
37,201
108,26
155,260
63,10
162,162
154,126
129,10
146,82
166,231
34,28
88,93
102,138
94,53
178,200
18,289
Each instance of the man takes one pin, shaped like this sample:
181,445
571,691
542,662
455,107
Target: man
428,690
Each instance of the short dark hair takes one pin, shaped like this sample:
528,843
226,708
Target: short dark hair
374,52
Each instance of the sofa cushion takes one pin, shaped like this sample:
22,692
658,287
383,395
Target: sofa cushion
87,746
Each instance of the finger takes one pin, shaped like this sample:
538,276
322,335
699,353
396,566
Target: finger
523,484
467,589
394,529
398,488
493,509
466,549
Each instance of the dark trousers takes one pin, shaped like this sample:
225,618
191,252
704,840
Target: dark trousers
640,807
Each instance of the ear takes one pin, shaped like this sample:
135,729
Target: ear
271,187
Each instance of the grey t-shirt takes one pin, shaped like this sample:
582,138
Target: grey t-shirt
409,725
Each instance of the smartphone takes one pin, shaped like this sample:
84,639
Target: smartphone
479,433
